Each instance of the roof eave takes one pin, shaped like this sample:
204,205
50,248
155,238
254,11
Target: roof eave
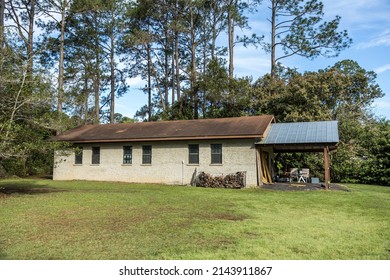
161,139
300,147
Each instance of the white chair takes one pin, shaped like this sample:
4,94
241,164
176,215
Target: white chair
293,174
304,175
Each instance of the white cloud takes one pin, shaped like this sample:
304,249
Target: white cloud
354,10
251,66
382,104
136,82
352,4
381,108
250,61
359,17
382,39
382,69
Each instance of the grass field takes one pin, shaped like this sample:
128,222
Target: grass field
46,219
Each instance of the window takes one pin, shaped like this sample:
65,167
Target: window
95,155
216,153
147,154
193,154
78,155
127,155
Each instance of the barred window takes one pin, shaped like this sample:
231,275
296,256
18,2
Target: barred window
147,154
78,155
216,153
127,155
95,155
193,154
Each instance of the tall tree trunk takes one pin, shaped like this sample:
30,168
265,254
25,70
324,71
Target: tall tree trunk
64,5
2,9
30,40
177,74
214,36
232,6
96,82
166,70
173,75
149,83
205,48
96,117
86,97
204,70
193,79
273,38
112,76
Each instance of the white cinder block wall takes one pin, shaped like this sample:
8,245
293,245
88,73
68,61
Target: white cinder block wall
166,167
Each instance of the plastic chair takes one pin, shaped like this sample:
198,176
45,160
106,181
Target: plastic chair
304,175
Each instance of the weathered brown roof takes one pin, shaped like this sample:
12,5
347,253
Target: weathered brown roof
240,127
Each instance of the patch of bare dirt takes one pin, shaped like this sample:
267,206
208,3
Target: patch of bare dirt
9,190
303,187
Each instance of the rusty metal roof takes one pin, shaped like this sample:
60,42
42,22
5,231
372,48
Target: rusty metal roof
239,127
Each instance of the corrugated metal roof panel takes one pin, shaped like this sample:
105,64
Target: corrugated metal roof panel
302,133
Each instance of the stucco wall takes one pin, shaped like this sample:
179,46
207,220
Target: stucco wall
166,167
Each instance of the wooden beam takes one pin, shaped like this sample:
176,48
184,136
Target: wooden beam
308,147
258,165
326,167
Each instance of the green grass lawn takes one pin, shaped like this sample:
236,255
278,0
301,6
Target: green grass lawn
48,219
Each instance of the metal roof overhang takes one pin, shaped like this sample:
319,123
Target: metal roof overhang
303,147
302,136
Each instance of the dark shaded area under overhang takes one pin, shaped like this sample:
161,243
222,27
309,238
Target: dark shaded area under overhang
319,136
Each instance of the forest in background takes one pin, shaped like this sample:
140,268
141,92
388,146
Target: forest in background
63,62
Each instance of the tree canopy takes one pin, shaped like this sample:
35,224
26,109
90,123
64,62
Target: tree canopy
298,28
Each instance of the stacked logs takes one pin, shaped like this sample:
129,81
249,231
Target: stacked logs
230,181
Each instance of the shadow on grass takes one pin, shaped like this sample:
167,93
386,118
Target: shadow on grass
24,188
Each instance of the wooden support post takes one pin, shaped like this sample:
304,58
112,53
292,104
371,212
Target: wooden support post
259,169
327,169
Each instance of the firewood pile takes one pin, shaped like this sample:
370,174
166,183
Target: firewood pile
230,181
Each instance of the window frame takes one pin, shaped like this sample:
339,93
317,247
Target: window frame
146,157
216,153
78,156
95,160
127,155
193,157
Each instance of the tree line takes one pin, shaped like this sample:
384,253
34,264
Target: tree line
63,63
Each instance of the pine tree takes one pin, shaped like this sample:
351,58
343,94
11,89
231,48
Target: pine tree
298,28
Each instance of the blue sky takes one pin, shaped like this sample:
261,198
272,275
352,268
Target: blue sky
367,22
